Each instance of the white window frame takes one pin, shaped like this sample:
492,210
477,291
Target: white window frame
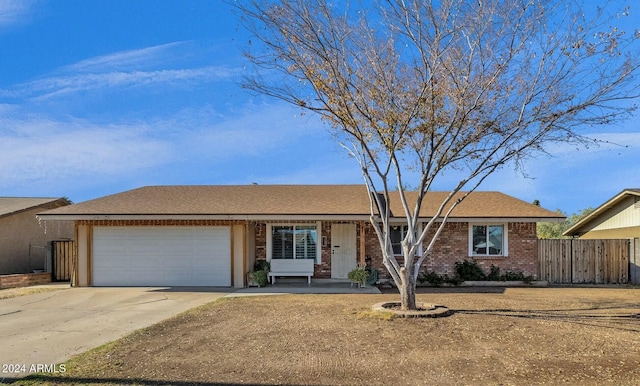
317,224
505,239
418,231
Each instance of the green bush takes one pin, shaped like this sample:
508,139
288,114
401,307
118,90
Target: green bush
432,278
494,275
436,280
358,275
469,271
261,277
260,274
517,276
262,265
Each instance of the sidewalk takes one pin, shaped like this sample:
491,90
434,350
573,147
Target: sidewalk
299,286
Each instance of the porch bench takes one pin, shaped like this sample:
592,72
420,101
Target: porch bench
291,267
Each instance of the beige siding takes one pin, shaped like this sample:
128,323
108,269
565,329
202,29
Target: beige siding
620,233
622,215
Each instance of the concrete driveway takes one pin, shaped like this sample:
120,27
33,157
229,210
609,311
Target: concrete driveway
48,328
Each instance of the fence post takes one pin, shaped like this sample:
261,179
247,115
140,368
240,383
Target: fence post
634,261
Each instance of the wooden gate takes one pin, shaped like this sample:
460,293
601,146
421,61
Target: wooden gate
63,252
568,261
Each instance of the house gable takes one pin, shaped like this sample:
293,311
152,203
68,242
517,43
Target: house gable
619,217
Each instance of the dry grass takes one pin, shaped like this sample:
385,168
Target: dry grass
15,292
511,337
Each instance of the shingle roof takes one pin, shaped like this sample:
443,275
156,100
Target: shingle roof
11,205
284,200
478,204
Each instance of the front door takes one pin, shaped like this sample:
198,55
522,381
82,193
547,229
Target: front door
343,250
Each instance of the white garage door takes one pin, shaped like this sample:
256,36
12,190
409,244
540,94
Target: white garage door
162,256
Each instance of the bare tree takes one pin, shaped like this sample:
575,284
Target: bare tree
417,89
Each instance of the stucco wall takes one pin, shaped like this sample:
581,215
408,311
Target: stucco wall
23,240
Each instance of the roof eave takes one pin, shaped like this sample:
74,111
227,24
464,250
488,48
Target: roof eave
270,217
32,207
575,229
218,217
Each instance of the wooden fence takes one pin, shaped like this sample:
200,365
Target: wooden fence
63,252
634,261
573,261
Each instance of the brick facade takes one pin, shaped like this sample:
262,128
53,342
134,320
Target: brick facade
24,280
451,247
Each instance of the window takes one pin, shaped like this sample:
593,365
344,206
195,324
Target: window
294,241
488,240
397,233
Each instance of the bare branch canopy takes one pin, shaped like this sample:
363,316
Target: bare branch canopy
416,89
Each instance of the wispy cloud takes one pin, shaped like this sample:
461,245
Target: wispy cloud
122,70
52,87
15,11
125,60
48,150
37,149
251,129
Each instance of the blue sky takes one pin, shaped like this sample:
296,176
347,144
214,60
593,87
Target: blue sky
98,97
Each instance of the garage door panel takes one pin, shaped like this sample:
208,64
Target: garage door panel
118,278
162,256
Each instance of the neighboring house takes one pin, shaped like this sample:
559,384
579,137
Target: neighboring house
24,240
618,218
212,235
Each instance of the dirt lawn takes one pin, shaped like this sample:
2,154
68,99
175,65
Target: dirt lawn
513,336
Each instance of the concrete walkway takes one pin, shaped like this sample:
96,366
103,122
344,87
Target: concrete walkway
48,328
294,286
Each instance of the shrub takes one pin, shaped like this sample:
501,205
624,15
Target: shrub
517,276
262,265
260,277
469,271
494,275
432,278
358,275
260,274
436,280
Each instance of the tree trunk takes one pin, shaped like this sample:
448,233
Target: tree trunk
407,290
